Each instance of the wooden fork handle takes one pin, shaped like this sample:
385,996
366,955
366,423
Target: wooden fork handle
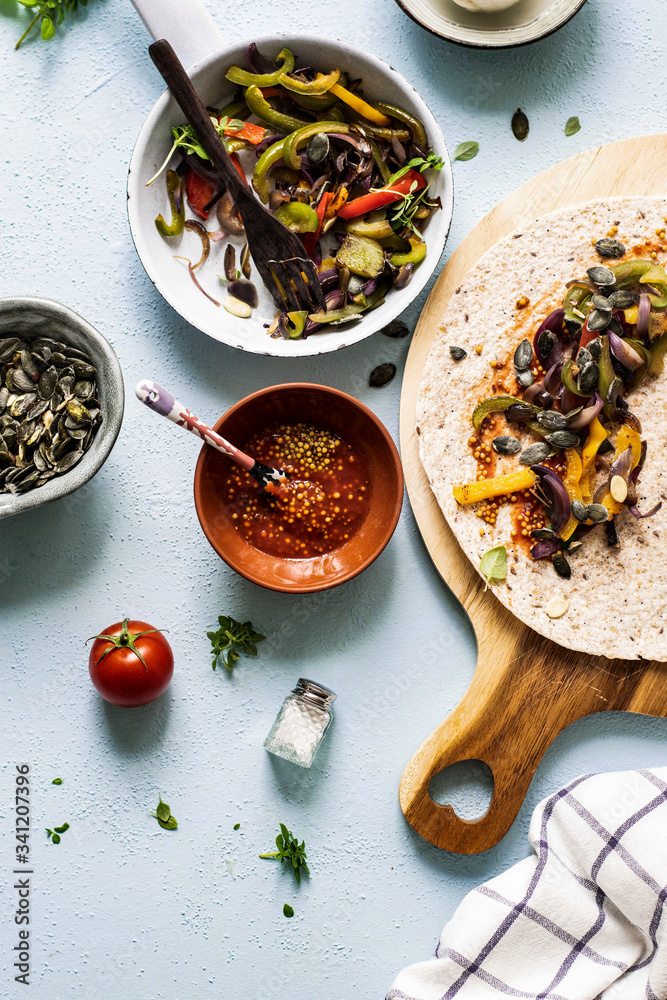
174,75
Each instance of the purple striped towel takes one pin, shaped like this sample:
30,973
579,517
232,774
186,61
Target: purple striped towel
581,918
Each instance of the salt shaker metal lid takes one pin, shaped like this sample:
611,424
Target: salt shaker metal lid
315,693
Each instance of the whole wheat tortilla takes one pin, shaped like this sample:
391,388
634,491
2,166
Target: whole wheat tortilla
618,596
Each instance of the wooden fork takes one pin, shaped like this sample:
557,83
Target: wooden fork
279,256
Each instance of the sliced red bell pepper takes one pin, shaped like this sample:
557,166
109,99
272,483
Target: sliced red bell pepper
384,196
309,240
251,133
199,193
237,163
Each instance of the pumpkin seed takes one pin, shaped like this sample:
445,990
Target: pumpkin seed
545,342
545,534
588,377
598,320
520,125
382,375
397,329
524,377
563,439
519,413
610,248
506,445
594,349
618,488
579,511
615,387
535,453
601,275
523,355
622,299
597,512
318,148
457,353
561,565
601,303
552,420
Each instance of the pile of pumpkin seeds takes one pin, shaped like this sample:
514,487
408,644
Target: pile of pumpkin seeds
49,410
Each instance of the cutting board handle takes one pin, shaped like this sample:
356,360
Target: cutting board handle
507,719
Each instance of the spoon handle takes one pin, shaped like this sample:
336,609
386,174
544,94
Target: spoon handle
162,402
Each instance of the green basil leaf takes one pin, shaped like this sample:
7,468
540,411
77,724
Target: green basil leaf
466,150
169,824
57,781
163,811
55,839
572,125
48,28
493,565
237,826
287,910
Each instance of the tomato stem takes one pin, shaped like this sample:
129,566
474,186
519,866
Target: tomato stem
126,639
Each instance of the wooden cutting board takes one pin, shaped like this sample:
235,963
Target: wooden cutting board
526,689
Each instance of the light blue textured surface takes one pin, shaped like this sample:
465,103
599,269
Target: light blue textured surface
122,909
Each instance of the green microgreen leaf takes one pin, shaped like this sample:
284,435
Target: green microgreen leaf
57,781
572,125
62,829
493,565
231,639
290,850
237,826
287,910
466,150
55,839
420,163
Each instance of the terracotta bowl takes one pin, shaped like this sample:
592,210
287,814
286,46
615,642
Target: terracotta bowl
355,423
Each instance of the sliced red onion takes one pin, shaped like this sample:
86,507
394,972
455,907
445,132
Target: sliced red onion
587,414
328,279
398,149
634,475
643,316
194,278
570,400
257,62
649,513
267,141
624,352
335,299
560,501
537,394
545,547
552,382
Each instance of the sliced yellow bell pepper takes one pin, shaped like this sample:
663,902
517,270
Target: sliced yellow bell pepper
361,106
315,87
627,437
573,487
483,489
596,435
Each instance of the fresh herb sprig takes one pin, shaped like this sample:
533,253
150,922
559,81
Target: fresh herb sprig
185,138
290,850
420,163
163,816
52,13
232,639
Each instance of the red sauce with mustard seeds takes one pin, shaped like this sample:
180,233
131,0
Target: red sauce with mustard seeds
324,503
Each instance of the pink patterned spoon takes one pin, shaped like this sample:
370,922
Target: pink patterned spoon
158,399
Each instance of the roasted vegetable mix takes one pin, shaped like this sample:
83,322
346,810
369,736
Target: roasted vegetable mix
351,177
575,382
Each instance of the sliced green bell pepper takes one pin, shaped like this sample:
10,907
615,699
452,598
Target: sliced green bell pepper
260,107
298,217
414,256
377,226
175,227
338,315
244,78
657,352
320,85
416,128
268,159
606,377
494,404
303,135
567,379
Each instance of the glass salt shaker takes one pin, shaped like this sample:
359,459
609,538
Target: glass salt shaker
301,723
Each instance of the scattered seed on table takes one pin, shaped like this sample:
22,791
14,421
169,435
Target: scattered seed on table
382,375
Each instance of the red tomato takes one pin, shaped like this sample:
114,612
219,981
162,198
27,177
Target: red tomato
199,193
131,663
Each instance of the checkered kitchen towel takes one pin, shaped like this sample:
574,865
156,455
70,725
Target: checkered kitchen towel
582,918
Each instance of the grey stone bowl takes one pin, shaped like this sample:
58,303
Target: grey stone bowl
43,317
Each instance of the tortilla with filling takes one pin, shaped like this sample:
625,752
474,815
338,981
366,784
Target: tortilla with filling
617,595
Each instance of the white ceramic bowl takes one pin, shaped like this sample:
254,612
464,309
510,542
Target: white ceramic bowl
171,277
34,317
520,24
